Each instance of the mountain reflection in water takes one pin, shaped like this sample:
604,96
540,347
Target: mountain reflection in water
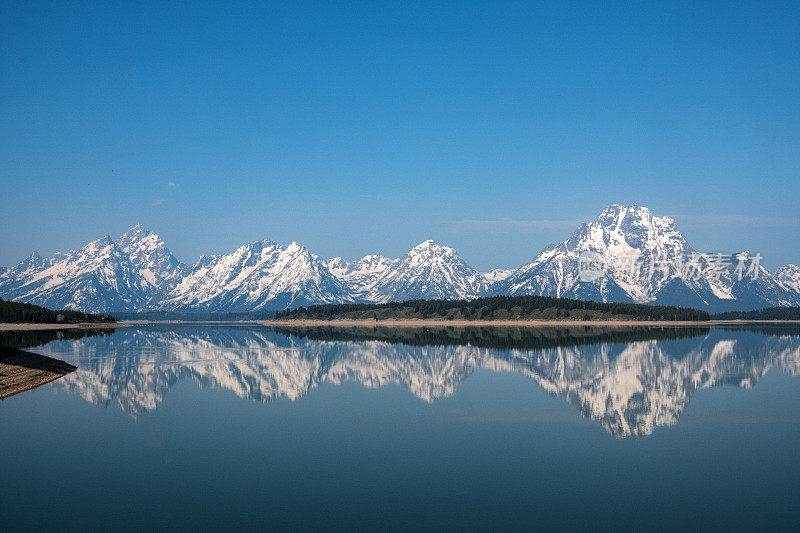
630,380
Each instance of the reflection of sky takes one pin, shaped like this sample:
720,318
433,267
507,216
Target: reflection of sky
499,452
629,388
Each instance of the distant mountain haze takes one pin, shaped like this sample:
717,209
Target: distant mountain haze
632,254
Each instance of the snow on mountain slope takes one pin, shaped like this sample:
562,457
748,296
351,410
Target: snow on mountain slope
257,276
14,277
429,271
154,261
97,278
789,277
362,274
643,258
618,236
497,274
640,258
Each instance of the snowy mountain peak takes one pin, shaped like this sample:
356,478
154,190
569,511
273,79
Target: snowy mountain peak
789,277
625,232
25,268
632,210
98,277
259,245
636,254
369,264
429,250
431,246
34,260
630,216
259,275
636,221
431,271
102,245
136,232
640,257
362,274
497,274
159,269
618,213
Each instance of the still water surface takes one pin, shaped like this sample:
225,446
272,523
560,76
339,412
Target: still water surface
479,428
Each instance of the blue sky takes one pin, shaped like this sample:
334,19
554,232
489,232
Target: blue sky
369,127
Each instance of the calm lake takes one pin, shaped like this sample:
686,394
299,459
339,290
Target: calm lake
202,427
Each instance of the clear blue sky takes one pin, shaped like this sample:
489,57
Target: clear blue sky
369,127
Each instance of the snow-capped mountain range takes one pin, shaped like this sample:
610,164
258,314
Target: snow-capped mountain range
629,388
634,256
643,258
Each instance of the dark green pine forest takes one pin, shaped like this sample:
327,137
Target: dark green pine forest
768,313
36,314
496,308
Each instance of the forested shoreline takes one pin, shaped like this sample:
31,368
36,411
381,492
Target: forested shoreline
496,308
18,312
768,313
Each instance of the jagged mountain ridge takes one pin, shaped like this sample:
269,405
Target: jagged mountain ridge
139,273
260,275
429,271
363,274
629,389
645,259
156,264
100,277
789,277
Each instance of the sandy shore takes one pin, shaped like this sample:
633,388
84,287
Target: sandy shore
5,326
21,371
417,323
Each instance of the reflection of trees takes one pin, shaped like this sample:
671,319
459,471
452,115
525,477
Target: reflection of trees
30,338
630,381
502,338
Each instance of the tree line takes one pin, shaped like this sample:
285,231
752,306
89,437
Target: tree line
36,314
496,308
768,313
502,338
